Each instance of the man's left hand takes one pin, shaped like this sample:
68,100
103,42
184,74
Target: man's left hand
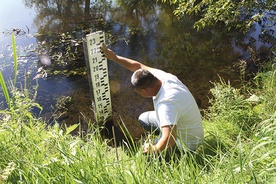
148,148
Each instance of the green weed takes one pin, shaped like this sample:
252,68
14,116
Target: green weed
5,89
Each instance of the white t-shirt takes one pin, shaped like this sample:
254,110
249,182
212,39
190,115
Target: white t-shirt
175,105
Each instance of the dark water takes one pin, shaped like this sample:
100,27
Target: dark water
143,31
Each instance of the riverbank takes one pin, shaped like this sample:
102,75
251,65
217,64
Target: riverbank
239,146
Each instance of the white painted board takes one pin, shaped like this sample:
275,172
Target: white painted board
99,76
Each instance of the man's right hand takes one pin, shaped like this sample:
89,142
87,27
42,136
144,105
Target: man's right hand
109,54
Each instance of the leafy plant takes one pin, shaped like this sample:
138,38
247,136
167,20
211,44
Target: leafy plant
233,106
233,14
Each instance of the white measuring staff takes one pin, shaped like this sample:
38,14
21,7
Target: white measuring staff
99,76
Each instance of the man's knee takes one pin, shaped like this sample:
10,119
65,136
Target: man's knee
143,118
148,121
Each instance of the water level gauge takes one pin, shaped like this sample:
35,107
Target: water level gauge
99,76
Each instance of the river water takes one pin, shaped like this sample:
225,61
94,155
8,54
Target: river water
53,30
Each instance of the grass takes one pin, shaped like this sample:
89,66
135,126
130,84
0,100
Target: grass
5,89
239,147
15,64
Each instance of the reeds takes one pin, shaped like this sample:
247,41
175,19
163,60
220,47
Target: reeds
5,89
15,67
15,64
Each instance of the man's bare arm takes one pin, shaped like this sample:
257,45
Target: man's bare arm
129,64
167,140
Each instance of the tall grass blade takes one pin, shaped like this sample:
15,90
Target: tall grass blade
5,89
15,65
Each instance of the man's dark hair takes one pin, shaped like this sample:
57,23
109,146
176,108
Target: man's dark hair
142,78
